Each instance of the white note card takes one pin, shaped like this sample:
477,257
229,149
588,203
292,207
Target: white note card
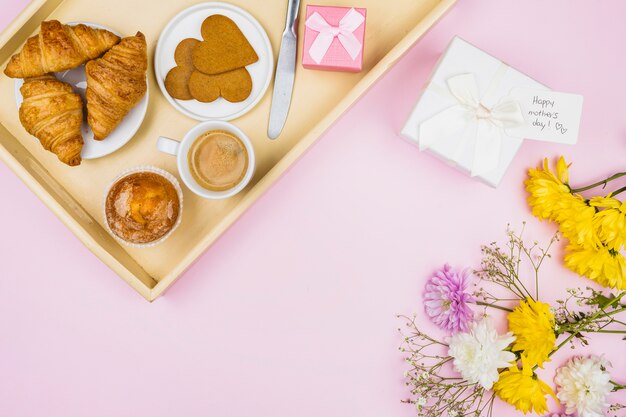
550,116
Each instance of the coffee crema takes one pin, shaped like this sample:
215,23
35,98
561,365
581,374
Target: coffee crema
218,160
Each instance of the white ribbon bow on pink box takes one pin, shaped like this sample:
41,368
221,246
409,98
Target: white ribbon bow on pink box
344,32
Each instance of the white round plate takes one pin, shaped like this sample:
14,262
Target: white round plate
186,24
124,132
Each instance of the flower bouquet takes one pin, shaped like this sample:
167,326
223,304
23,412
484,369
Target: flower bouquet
463,373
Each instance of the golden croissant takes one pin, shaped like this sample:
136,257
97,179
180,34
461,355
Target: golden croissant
53,113
115,84
59,47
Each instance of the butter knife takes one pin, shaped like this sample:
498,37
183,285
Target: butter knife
285,72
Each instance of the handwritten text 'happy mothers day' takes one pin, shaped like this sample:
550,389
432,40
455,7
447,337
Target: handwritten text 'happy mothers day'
550,115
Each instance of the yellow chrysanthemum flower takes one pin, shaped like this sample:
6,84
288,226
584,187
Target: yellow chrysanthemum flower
610,223
551,199
576,221
523,389
547,189
605,266
532,324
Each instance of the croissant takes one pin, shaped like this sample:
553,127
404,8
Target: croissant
53,113
59,47
115,84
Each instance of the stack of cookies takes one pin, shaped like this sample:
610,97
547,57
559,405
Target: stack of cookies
214,67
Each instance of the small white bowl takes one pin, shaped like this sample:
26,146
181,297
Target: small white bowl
155,170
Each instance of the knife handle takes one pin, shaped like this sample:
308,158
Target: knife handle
292,16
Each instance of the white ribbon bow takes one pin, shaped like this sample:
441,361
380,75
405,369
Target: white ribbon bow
470,119
344,32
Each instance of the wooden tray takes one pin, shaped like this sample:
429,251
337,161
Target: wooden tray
75,194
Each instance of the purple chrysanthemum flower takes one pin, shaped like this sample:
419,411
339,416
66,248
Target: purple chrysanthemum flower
446,299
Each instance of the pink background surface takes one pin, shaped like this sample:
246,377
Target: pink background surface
292,312
336,58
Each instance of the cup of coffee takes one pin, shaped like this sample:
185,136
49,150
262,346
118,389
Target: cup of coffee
215,159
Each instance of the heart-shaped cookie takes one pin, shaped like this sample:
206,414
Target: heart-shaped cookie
234,86
225,48
177,79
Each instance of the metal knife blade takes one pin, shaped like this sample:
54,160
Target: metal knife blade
285,73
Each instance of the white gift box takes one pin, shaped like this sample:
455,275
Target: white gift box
465,115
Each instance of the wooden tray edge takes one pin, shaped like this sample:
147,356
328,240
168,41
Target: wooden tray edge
143,288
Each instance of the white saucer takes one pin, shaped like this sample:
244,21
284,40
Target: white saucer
124,132
186,24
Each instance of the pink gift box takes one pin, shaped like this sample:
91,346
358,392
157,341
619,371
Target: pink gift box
336,57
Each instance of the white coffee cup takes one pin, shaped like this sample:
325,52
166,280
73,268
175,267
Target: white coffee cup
181,151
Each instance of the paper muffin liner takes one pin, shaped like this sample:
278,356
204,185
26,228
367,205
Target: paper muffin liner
138,169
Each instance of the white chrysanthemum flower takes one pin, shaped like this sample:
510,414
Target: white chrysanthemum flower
583,385
479,353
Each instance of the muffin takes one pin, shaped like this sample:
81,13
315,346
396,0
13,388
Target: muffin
143,206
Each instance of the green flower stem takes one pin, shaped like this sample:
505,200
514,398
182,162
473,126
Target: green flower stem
610,331
616,386
481,303
619,190
599,183
616,311
574,333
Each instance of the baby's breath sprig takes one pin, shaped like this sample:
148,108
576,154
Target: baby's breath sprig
434,389
614,409
503,267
